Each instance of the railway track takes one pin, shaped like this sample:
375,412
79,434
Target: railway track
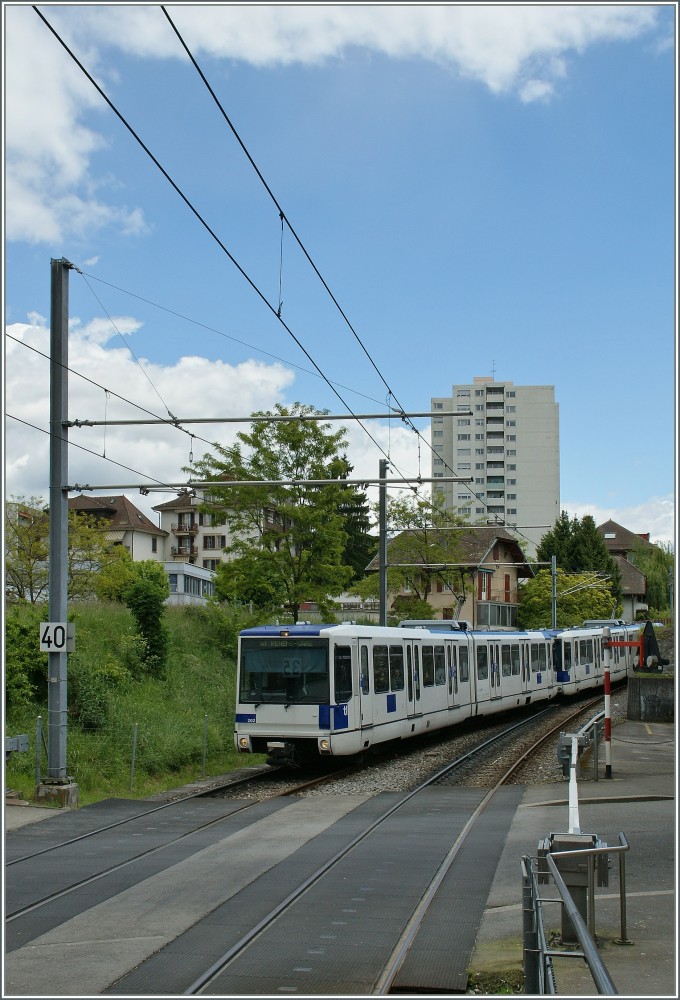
187,824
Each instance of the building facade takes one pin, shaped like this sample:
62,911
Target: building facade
505,438
621,544
484,587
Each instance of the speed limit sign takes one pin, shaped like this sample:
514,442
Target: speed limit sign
57,637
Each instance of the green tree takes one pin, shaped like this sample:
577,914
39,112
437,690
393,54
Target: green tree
579,596
657,563
25,665
115,576
27,537
289,538
579,548
424,540
145,596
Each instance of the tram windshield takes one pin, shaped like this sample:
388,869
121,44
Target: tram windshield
284,672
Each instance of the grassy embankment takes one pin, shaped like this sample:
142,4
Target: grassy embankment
170,712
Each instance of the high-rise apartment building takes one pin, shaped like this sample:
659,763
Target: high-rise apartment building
506,437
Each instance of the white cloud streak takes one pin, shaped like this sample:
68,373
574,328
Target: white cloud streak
161,453
521,50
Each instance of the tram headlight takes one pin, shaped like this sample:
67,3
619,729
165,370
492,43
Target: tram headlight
244,743
324,746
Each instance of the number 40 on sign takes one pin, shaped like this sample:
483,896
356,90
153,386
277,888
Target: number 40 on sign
57,637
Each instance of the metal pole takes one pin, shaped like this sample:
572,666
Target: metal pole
134,750
622,891
530,938
382,558
606,659
553,572
57,705
38,748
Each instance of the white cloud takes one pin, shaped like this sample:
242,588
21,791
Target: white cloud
655,516
155,453
151,452
160,453
519,49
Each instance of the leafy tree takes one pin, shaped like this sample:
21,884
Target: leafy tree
422,540
145,597
289,541
115,576
25,665
579,548
579,596
27,537
361,545
657,563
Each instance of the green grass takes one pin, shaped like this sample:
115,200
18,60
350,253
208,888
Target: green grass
169,713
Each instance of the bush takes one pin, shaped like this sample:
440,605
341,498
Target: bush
109,692
25,665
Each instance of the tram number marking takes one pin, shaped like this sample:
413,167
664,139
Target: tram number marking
292,666
57,637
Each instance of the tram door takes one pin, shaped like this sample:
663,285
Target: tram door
365,693
526,668
483,669
413,706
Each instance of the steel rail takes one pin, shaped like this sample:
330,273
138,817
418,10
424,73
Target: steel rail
202,981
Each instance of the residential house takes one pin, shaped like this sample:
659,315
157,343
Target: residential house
127,526
124,525
483,586
620,543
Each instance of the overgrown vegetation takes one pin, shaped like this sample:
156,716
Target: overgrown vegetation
110,690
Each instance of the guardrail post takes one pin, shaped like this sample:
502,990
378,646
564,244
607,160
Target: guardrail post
531,957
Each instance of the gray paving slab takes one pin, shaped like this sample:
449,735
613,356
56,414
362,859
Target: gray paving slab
638,801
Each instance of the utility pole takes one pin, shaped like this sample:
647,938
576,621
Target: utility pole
382,539
53,637
553,571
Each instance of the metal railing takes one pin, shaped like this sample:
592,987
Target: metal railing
539,976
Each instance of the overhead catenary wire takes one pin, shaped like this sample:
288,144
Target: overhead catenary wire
222,246
198,216
72,444
292,230
221,333
282,214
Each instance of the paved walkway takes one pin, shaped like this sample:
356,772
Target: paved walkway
638,801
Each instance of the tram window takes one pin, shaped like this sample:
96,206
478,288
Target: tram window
482,663
534,658
567,655
439,665
381,672
343,673
416,671
506,666
428,666
584,655
542,662
463,664
514,657
409,673
396,668
589,650
364,678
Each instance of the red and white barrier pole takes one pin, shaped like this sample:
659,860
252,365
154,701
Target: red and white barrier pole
606,660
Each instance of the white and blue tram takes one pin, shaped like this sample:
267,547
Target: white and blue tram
305,691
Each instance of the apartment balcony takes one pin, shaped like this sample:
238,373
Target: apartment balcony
183,552
184,529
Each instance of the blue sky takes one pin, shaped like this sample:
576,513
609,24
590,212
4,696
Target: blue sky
483,188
